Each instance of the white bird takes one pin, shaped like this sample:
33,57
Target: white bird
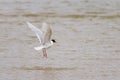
44,36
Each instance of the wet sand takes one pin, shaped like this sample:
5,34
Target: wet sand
87,34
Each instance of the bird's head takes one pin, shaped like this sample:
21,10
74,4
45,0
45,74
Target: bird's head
53,40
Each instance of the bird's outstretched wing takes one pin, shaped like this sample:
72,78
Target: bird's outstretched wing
47,32
37,31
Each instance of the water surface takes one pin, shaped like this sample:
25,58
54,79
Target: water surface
87,35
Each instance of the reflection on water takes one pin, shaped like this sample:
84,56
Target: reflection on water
87,35
46,68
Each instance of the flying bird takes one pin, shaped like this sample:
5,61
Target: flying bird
44,37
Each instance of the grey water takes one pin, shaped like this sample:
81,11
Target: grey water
87,35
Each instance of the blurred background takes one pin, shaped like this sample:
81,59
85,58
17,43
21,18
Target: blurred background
87,34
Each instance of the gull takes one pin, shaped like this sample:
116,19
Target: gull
44,37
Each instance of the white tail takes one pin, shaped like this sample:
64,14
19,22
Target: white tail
38,48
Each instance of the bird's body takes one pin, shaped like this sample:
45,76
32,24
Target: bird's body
44,36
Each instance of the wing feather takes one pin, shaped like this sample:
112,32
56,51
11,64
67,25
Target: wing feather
47,32
37,31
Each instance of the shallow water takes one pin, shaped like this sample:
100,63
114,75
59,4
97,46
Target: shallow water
87,34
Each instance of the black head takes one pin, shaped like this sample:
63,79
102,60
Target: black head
53,40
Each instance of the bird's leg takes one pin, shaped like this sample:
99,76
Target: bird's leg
44,53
